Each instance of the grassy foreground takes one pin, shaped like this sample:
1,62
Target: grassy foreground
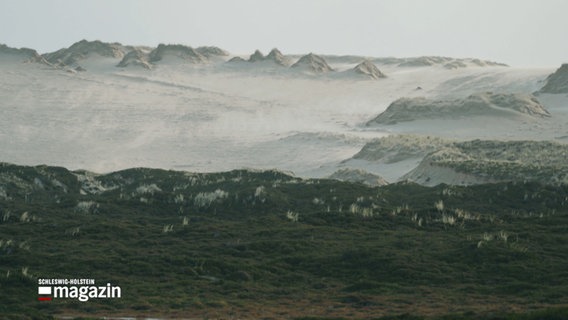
266,245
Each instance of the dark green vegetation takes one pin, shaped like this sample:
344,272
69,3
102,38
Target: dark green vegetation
247,245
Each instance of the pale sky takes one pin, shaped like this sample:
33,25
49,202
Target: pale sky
529,33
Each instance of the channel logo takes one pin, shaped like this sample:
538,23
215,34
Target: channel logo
44,293
79,289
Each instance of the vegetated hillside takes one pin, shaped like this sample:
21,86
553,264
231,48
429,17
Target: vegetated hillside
248,244
258,61
471,162
557,82
368,69
136,58
211,51
395,148
312,63
147,59
71,57
177,52
21,55
275,56
480,104
478,161
359,176
446,62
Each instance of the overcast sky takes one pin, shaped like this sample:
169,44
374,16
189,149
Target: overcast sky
517,32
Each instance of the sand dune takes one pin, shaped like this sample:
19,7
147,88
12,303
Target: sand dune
178,107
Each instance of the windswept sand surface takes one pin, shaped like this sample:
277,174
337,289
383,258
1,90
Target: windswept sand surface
222,116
